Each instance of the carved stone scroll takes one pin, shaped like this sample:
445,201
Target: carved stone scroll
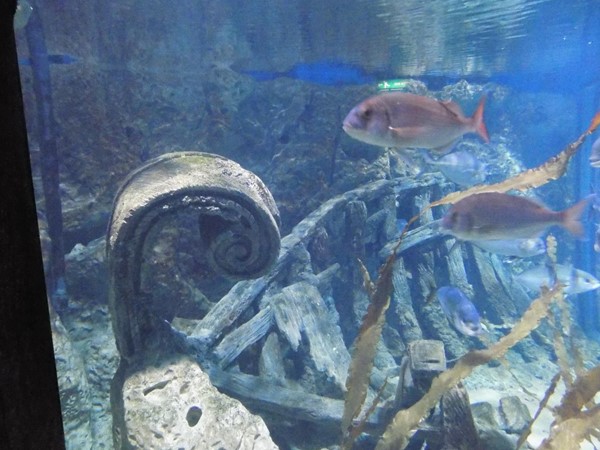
237,221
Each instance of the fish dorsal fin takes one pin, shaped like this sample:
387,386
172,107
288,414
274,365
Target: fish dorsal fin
452,108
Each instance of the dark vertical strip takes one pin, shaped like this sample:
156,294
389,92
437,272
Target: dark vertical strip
30,415
40,66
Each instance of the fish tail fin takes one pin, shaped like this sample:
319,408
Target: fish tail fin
478,125
571,216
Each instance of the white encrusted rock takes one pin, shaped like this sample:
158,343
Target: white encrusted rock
175,406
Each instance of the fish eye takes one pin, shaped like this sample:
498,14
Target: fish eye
367,113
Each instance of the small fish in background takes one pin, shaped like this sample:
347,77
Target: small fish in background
22,14
520,248
493,215
459,310
52,59
595,154
575,281
461,167
403,120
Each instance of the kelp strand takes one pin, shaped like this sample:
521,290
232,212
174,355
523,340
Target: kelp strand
397,434
365,346
552,169
551,388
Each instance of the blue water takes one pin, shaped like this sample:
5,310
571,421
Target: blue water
110,85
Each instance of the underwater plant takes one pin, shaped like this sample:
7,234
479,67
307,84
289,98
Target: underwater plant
571,426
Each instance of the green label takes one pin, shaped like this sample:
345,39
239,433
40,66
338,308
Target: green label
391,85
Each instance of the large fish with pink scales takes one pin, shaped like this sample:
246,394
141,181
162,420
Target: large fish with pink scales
403,120
495,215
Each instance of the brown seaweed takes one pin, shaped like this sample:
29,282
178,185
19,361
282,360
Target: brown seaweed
397,434
552,169
583,390
569,433
365,347
571,425
527,431
560,347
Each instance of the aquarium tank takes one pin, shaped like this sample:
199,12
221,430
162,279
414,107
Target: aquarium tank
319,224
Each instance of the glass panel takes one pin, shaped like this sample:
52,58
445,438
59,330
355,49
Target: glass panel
215,180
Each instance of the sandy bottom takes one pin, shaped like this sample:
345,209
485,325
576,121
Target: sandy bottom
490,384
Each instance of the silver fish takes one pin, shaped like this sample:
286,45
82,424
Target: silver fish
460,166
522,248
575,281
459,310
22,14
403,120
494,215
595,154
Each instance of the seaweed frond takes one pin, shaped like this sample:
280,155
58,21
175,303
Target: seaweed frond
527,431
552,169
365,347
569,433
583,390
572,425
397,434
560,348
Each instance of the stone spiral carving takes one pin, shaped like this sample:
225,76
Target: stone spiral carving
238,224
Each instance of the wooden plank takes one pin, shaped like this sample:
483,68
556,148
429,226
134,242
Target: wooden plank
261,394
244,336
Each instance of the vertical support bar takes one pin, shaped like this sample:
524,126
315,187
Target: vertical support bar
40,66
30,415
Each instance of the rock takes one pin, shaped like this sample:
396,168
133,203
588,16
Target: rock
86,272
74,389
174,405
484,414
497,440
490,433
514,413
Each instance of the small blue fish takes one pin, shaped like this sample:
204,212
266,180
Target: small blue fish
459,310
52,59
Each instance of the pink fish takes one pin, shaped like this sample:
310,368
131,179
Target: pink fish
492,215
403,120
